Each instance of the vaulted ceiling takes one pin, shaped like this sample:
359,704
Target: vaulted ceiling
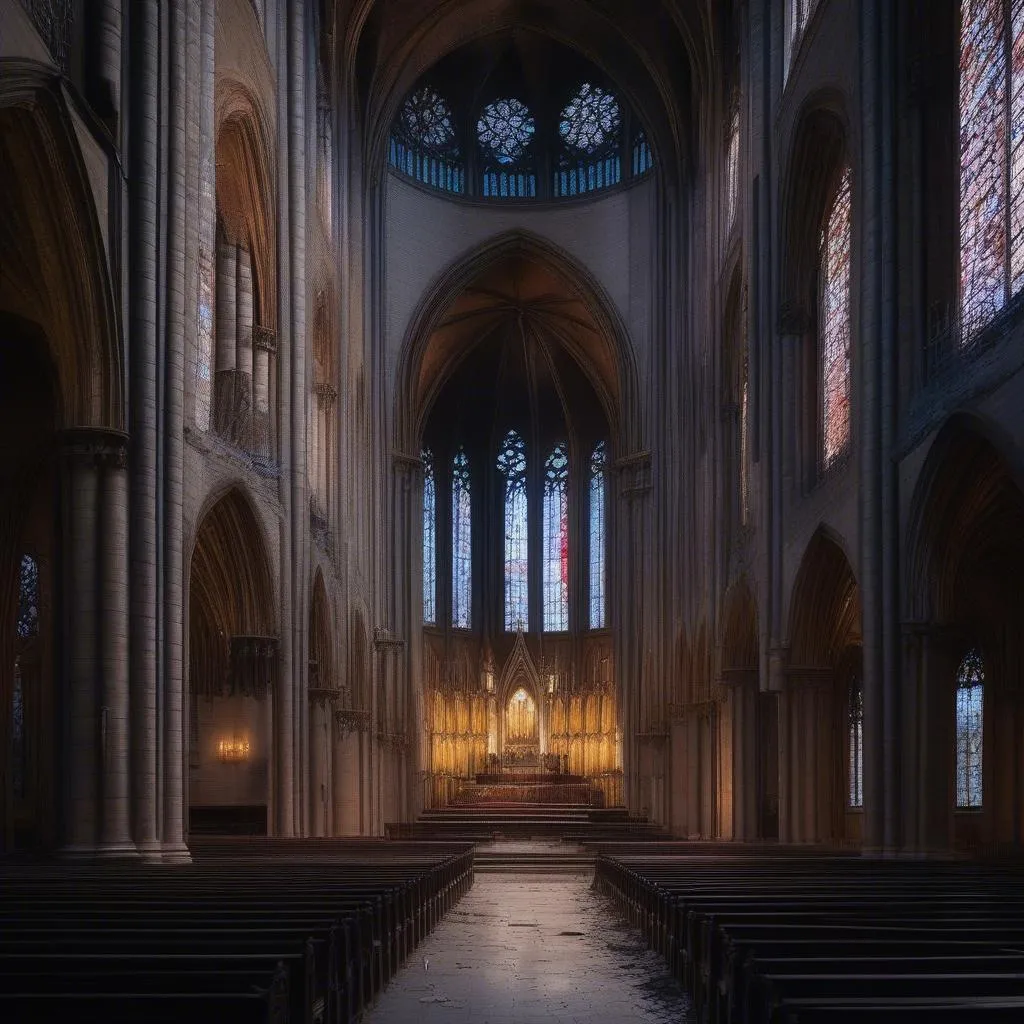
659,53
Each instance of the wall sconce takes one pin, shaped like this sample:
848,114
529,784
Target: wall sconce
233,750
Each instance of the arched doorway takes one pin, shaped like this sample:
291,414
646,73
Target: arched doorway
521,729
964,683
28,416
233,673
818,749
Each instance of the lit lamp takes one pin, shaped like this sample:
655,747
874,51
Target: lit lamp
234,749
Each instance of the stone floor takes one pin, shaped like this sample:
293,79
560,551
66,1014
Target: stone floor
532,949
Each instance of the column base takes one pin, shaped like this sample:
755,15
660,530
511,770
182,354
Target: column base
150,850
176,853
123,849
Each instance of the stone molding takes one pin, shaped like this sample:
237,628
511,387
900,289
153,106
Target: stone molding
103,448
264,338
351,720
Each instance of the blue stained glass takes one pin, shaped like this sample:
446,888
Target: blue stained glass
556,540
597,538
856,743
429,539
512,465
462,534
28,598
970,687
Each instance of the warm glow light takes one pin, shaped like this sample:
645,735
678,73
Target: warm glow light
234,749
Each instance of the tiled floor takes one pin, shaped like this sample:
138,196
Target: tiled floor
532,949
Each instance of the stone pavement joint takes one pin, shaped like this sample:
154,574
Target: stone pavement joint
533,949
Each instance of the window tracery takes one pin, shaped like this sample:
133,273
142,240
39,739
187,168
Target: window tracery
855,746
834,326
732,168
512,465
590,120
429,539
27,628
505,131
991,158
597,537
556,540
424,143
798,14
970,686
462,541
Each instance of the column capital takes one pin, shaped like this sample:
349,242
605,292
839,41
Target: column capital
102,447
264,338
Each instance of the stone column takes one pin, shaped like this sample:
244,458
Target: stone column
243,342
81,743
346,772
742,684
264,343
144,216
224,401
115,827
318,752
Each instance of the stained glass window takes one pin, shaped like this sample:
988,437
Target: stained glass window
27,627
427,119
991,185
505,129
512,465
429,539
462,541
855,752
798,13
834,325
590,120
643,157
424,144
732,168
970,685
28,598
744,443
597,538
556,540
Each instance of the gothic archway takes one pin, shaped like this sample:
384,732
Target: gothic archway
233,671
815,708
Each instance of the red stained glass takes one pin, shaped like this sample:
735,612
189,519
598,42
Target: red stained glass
834,325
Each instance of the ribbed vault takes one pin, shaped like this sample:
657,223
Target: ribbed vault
658,53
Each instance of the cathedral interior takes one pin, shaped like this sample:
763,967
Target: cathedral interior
575,422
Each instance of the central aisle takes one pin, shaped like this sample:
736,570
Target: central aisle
532,949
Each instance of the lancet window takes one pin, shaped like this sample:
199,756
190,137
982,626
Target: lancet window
429,539
462,542
732,168
556,540
991,158
597,537
834,326
27,630
512,466
970,687
855,742
798,13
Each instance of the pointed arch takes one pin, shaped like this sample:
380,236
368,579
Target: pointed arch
824,616
53,258
430,352
321,638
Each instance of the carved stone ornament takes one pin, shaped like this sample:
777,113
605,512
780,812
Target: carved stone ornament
351,720
322,695
635,474
384,641
102,448
264,338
